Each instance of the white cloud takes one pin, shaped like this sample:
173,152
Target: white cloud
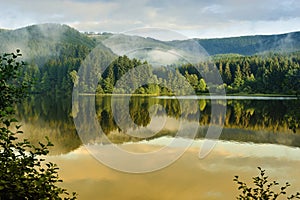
198,18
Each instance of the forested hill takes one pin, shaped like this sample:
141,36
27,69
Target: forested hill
52,53
244,45
55,53
43,34
249,45
43,41
37,40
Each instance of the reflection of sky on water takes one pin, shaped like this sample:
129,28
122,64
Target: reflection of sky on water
235,149
188,178
222,148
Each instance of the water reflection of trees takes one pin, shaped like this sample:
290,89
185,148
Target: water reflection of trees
259,115
272,116
246,120
49,116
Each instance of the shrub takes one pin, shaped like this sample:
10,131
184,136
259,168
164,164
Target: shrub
24,173
263,189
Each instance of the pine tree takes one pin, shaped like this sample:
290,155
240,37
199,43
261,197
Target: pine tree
238,78
227,74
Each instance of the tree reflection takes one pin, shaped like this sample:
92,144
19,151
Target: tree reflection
50,116
268,121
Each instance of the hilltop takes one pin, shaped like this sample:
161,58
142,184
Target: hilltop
44,38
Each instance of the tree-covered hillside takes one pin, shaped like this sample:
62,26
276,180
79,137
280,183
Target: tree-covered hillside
250,45
244,45
52,52
42,42
55,53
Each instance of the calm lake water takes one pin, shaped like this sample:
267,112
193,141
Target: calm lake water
258,131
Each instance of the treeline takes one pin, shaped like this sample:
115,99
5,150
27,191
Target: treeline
53,77
269,73
141,78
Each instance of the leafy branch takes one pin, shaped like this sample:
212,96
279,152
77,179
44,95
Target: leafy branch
24,173
263,189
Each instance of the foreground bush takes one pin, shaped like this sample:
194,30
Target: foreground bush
263,189
24,173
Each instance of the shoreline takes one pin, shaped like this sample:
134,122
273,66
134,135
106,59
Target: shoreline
199,95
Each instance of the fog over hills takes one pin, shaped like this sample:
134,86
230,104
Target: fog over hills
60,57
42,40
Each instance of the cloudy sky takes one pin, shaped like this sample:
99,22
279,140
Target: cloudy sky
193,18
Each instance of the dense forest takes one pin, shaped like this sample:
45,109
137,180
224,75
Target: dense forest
55,53
271,73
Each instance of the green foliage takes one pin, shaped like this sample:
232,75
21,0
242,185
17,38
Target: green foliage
238,78
263,188
11,90
55,52
201,85
74,77
24,173
272,73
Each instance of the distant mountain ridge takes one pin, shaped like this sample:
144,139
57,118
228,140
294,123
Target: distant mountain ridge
244,45
249,45
36,39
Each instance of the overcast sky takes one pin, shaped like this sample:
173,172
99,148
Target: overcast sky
193,18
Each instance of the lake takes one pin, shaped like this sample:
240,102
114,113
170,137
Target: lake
257,131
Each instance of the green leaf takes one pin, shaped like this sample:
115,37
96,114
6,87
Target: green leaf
7,123
13,120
